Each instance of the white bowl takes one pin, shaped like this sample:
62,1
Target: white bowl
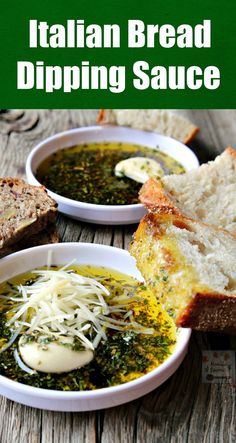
104,214
99,255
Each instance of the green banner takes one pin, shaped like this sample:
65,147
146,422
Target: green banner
118,54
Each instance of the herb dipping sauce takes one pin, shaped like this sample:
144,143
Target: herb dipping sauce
123,357
86,172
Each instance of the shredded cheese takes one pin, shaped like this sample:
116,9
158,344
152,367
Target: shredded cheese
62,302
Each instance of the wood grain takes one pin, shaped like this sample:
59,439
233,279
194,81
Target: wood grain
183,409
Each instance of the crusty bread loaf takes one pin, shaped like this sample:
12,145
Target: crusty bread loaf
207,193
156,120
191,268
24,210
48,235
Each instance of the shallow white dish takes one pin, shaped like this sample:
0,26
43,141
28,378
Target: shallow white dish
104,214
99,255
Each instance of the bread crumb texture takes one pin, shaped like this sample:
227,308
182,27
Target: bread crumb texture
191,268
207,193
24,210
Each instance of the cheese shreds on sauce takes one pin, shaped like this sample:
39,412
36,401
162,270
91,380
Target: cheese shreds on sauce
64,303
126,354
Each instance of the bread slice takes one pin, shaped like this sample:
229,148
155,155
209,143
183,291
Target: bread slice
24,210
157,120
48,235
207,193
191,268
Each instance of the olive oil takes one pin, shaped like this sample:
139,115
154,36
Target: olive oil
86,172
124,356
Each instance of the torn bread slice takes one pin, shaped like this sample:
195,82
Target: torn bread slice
24,210
161,121
191,268
46,236
207,193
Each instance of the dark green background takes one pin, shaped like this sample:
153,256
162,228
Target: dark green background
15,16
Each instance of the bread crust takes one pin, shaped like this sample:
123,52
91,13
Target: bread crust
156,199
206,311
101,116
46,236
154,221
231,151
101,119
210,312
41,217
191,135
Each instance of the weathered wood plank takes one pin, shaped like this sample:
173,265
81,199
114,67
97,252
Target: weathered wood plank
68,427
128,235
217,131
19,423
119,424
118,239
104,235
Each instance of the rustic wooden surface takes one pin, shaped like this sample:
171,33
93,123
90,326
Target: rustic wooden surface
183,409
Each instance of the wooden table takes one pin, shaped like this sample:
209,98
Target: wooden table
184,409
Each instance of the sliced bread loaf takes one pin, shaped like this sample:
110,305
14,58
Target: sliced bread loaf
24,210
156,120
47,235
191,268
207,193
